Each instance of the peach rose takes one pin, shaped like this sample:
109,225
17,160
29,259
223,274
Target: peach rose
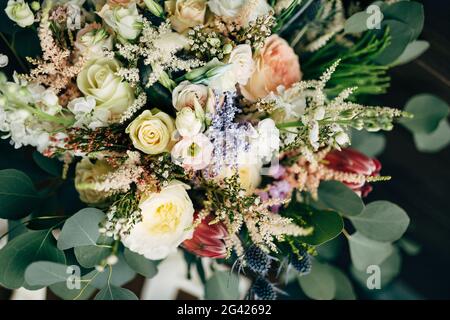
275,65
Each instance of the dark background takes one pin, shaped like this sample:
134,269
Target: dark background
420,181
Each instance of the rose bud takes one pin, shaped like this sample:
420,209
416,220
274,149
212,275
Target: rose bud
208,240
352,161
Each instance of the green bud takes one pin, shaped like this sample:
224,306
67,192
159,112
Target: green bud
154,8
214,42
217,71
35,5
196,73
227,48
166,81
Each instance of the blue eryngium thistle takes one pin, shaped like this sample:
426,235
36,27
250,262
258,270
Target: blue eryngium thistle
257,260
302,262
262,289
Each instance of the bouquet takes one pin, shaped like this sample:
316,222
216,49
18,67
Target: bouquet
220,129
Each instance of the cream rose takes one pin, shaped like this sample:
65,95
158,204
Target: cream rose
167,218
276,65
99,80
189,95
245,11
193,152
125,20
93,40
151,132
242,62
184,14
249,171
87,175
189,123
19,11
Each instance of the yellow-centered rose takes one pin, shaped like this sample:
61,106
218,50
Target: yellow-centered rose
185,14
99,79
167,218
152,131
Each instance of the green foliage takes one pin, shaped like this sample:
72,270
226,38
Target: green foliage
412,51
223,285
18,197
23,250
320,283
382,221
111,292
337,196
117,275
370,143
140,264
43,273
60,289
430,127
344,287
365,252
49,165
326,224
81,229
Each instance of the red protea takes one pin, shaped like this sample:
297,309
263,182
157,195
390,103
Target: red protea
352,161
208,240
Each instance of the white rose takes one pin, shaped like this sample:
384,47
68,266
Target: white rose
99,79
267,143
185,14
20,12
125,20
93,40
243,65
189,123
190,95
193,152
225,8
167,218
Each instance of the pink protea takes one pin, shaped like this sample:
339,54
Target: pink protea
208,240
352,161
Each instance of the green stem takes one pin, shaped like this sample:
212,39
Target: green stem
13,50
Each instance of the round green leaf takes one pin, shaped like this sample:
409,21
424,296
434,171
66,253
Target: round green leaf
370,143
382,221
401,34
111,292
223,285
408,12
357,23
412,52
436,141
18,197
326,224
428,111
344,287
92,255
118,275
61,290
22,251
337,196
320,283
365,252
81,229
140,264
44,273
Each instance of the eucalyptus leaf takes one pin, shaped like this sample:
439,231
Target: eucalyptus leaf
366,252
436,141
414,50
81,229
61,290
337,196
428,111
408,12
223,285
18,197
370,143
44,273
357,23
22,251
140,264
326,225
401,35
344,287
117,275
382,221
111,292
320,283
